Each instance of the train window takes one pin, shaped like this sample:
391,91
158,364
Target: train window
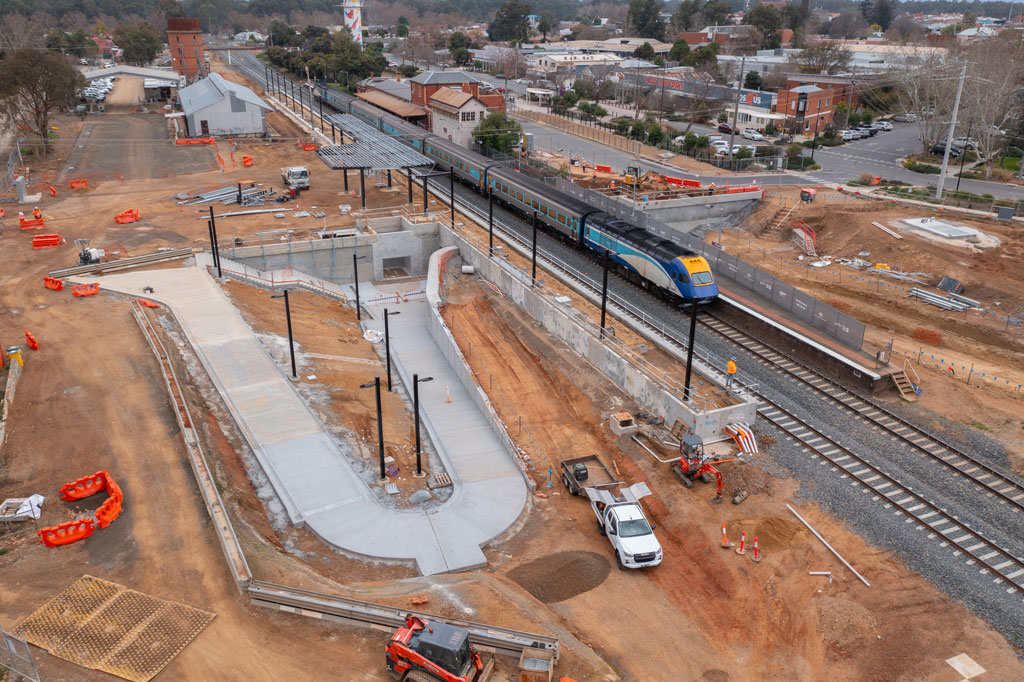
535,204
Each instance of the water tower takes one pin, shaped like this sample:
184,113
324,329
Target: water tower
353,10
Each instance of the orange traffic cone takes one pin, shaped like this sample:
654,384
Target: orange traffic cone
31,340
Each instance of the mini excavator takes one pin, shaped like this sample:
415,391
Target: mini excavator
693,464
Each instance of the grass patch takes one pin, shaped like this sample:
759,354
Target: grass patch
3,550
978,425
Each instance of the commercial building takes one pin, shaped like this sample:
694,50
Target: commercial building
808,108
214,106
185,42
427,83
455,114
574,61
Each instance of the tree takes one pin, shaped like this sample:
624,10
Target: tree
716,12
510,22
34,83
752,81
548,22
457,40
848,25
927,87
403,20
498,132
768,21
644,19
882,13
461,56
991,99
905,30
679,50
645,52
402,31
140,42
280,33
76,44
704,57
826,56
793,16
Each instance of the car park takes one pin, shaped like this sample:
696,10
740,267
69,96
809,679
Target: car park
752,134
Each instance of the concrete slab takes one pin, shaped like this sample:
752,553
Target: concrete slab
314,480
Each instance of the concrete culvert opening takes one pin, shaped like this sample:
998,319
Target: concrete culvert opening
562,576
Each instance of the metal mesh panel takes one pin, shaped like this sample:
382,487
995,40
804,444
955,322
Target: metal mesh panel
803,305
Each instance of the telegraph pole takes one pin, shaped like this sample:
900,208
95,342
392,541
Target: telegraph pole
949,136
736,109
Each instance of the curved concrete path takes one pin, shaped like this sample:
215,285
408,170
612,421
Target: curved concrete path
314,480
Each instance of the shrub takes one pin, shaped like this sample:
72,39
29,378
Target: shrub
866,178
916,167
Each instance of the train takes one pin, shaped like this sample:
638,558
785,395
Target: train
653,262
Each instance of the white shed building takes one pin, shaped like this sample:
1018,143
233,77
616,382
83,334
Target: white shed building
215,106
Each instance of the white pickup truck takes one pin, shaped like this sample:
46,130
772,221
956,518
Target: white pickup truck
622,520
295,177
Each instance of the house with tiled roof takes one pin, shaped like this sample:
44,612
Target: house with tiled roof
455,114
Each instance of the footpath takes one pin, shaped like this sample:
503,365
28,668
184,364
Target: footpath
313,478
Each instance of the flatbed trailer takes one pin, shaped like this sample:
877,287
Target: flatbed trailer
587,472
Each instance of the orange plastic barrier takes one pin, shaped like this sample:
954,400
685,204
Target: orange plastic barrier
246,161
79,183
31,340
53,283
603,169
66,533
31,223
53,190
129,216
669,180
84,487
691,183
309,147
737,190
86,289
46,241
195,140
110,509
148,304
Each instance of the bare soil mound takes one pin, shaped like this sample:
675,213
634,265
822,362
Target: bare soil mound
562,576
843,622
773,533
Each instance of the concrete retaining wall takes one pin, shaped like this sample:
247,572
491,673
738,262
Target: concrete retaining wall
568,325
444,339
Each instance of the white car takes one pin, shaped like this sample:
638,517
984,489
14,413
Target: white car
621,519
752,134
883,125
848,135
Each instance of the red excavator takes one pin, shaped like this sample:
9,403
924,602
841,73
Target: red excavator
693,464
431,652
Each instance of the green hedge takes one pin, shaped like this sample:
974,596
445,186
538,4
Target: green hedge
922,167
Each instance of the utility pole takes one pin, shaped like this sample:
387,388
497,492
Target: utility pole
736,109
949,136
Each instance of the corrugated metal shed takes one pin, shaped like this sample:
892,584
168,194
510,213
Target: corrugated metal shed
372,149
213,89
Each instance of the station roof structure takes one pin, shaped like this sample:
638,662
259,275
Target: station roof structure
372,150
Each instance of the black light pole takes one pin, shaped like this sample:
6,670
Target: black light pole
814,142
362,186
216,248
426,197
355,277
689,347
409,171
451,191
533,277
604,290
416,409
490,223
380,427
387,343
291,340
321,115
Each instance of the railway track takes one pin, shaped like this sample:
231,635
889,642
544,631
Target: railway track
996,561
993,482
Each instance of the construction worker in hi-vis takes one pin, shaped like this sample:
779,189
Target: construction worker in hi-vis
731,372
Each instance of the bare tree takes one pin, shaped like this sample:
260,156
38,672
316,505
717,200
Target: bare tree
826,56
926,87
848,25
17,30
992,99
905,30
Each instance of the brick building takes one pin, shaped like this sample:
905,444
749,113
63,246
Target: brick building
185,41
808,108
455,114
427,83
842,85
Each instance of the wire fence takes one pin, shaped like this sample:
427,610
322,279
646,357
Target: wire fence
978,202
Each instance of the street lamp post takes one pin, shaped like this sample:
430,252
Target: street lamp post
387,343
380,427
689,348
490,222
355,278
291,341
604,291
817,118
416,409
533,275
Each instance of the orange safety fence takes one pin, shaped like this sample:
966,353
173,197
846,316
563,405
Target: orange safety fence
195,140
309,147
111,507
691,183
53,190
66,533
80,290
603,169
46,241
84,487
669,180
129,216
31,340
31,223
148,304
53,283
78,183
246,161
932,338
220,160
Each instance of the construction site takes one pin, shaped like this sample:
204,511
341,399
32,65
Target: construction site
350,424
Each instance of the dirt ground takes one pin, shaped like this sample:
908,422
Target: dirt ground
992,401
735,620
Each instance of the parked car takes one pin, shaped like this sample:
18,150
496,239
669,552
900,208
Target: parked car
724,128
965,143
940,149
883,125
904,118
752,134
867,130
848,135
